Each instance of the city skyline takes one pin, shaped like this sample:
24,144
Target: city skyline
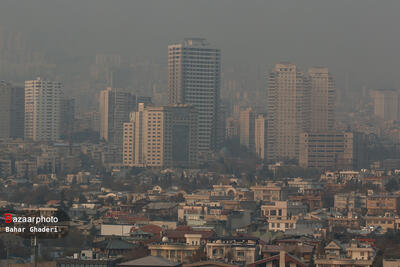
193,133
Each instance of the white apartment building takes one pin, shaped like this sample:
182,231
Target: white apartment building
42,110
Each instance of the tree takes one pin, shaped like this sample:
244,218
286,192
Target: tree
392,185
82,199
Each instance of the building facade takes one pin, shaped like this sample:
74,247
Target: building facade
247,120
323,96
115,106
288,109
42,109
328,150
12,111
162,136
67,117
386,104
260,137
194,70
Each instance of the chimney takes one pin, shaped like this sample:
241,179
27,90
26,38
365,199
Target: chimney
282,258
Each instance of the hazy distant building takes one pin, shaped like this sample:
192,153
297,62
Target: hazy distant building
260,136
323,98
246,120
87,121
42,110
221,120
162,137
115,106
194,70
329,150
12,111
67,117
104,68
231,128
386,104
146,100
288,110
5,168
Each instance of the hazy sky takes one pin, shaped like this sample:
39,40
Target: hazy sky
361,37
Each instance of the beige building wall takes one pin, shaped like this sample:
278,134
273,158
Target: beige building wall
260,142
161,137
154,138
386,104
288,109
128,150
323,98
327,150
246,127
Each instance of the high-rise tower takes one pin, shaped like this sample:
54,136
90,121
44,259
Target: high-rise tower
115,106
194,70
11,111
42,110
323,98
288,111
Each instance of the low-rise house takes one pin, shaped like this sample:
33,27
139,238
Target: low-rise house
352,201
114,247
282,224
178,235
381,204
161,210
391,262
312,198
386,222
241,250
303,185
282,209
270,192
357,254
88,258
351,220
176,251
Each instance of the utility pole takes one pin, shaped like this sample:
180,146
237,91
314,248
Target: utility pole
35,247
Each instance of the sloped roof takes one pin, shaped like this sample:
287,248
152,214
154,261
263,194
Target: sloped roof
210,264
150,261
288,258
114,244
334,244
160,205
151,228
140,232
